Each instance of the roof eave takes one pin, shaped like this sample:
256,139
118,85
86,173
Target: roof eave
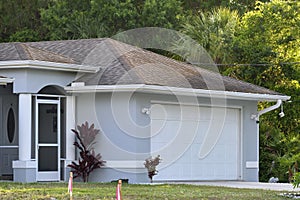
175,91
45,65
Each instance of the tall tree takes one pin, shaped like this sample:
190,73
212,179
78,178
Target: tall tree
269,35
214,31
268,43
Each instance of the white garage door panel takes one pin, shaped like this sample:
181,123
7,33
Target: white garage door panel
179,132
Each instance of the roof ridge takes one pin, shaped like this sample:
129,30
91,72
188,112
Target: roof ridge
122,59
56,57
25,48
21,50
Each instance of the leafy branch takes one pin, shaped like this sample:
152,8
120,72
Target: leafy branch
89,160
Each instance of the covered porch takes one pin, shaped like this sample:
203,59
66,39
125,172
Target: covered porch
36,118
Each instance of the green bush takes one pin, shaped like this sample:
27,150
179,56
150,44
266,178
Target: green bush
296,180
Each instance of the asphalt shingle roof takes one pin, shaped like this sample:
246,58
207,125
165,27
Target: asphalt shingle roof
120,63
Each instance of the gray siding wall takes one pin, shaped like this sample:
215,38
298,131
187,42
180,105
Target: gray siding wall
126,130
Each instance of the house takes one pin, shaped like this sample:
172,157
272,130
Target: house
203,125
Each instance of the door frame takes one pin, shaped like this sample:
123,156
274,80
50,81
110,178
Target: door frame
55,100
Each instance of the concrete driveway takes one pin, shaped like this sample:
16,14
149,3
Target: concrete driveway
250,185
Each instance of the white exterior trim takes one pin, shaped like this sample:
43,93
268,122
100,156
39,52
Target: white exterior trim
24,164
241,145
121,164
4,80
238,109
9,147
44,175
220,105
70,124
45,65
49,95
252,164
25,103
175,91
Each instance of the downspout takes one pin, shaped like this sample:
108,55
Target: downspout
256,118
261,112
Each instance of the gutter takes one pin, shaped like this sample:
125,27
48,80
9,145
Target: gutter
278,103
268,109
77,88
46,65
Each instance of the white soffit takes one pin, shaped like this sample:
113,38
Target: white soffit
175,91
45,65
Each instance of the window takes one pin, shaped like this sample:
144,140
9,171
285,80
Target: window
11,126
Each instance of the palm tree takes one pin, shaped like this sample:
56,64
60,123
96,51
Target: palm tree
214,31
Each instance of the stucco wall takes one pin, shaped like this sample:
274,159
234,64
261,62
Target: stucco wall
126,131
32,80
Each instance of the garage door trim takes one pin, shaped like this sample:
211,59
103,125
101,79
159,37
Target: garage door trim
240,134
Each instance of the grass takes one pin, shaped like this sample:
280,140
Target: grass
50,191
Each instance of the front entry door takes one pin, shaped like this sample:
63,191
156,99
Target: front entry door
48,139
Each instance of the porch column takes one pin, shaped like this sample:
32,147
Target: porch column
25,127
25,169
70,137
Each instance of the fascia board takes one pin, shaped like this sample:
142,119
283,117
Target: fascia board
44,65
176,91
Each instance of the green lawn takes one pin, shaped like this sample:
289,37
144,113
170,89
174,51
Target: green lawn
129,191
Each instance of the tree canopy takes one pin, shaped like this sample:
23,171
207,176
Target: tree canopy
268,42
100,18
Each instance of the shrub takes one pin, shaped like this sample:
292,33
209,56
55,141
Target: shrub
88,160
151,163
296,180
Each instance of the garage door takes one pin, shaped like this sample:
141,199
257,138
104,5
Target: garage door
196,143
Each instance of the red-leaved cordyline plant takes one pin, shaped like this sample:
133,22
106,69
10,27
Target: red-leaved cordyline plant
151,163
88,160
